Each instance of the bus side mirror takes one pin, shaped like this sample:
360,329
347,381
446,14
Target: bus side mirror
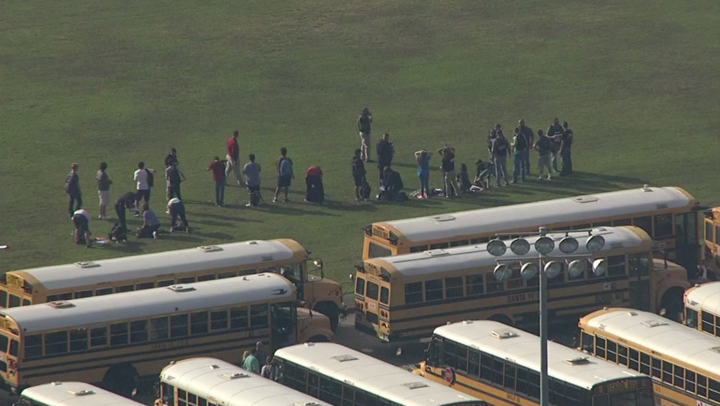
352,277
319,264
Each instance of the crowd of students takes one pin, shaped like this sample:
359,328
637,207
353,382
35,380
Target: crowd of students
552,147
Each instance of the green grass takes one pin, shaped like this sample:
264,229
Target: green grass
121,82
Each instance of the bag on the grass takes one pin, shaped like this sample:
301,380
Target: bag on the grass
365,190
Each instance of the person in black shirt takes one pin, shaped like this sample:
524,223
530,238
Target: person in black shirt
554,133
358,173
126,201
565,150
364,127
171,158
530,139
392,185
448,168
385,152
483,171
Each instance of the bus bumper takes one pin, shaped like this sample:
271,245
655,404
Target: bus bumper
369,330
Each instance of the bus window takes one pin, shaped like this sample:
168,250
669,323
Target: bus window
138,331
515,281
492,284
56,343
459,243
717,235
124,288
62,296
78,340
602,224
372,290
474,284
199,323
645,223
159,328
26,302
377,251
481,240
83,293
259,315
663,226
145,285
225,275
360,286
203,278
33,346
14,347
384,295
190,279
708,322
98,337
709,231
413,292
238,318
218,320
14,300
439,246
3,298
616,265
453,287
179,325
433,290
418,248
580,227
119,334
104,291
622,222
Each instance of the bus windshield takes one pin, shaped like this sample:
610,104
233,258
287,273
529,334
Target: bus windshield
642,397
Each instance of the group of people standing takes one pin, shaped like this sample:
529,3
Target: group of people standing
552,146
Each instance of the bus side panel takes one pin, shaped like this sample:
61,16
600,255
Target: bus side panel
477,389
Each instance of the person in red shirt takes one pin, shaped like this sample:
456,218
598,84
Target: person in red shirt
218,168
315,191
233,158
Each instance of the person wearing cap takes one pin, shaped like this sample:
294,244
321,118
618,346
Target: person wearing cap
364,124
72,188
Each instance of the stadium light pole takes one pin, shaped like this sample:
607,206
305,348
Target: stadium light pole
544,245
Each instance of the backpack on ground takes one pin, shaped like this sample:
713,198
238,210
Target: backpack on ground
365,190
117,233
286,168
150,178
520,142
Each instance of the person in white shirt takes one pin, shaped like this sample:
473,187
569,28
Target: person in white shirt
144,180
81,219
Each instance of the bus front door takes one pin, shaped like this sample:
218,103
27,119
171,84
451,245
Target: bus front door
687,243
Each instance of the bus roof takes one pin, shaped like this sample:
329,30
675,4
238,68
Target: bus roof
659,335
163,263
623,203
705,297
372,375
523,348
75,394
226,384
475,256
150,302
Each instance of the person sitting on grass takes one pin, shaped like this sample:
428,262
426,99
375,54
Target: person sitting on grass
392,186
463,179
150,225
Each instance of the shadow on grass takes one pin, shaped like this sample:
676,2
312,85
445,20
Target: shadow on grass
217,236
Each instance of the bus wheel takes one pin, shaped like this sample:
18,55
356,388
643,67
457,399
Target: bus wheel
672,303
501,318
318,339
121,379
331,311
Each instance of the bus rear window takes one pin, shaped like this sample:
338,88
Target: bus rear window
372,290
360,286
14,300
385,295
378,251
4,341
3,298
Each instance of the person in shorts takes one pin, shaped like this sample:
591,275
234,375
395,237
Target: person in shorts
252,170
104,183
142,183
285,175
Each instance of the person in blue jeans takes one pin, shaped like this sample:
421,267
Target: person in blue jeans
422,158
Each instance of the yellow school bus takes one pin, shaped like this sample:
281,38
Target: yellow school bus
407,296
211,382
123,338
702,308
683,363
87,279
712,242
502,364
667,214
71,394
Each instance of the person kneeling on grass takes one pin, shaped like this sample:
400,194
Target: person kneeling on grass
176,208
81,220
150,225
392,186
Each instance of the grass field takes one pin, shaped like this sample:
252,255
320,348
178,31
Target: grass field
89,81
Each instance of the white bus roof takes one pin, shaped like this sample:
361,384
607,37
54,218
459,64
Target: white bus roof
476,256
150,302
162,263
705,297
228,385
523,348
75,394
624,203
660,335
371,375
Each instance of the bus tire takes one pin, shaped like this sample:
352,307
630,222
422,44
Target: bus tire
672,302
331,311
121,379
501,318
319,339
